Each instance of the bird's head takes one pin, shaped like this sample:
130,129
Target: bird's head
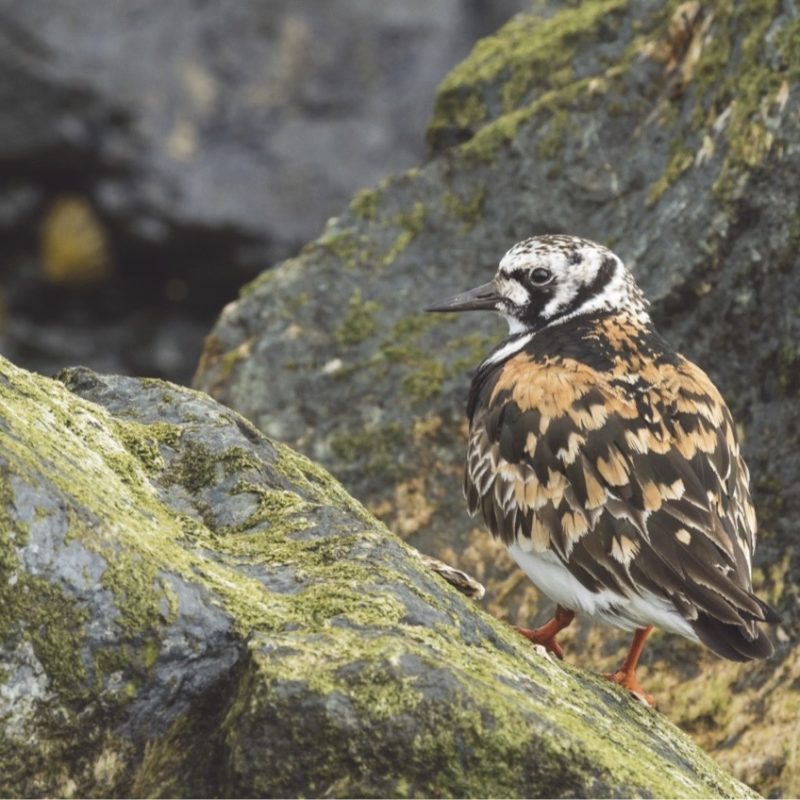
549,279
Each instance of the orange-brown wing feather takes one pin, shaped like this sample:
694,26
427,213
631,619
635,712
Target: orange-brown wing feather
635,482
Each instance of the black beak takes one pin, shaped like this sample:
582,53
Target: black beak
479,299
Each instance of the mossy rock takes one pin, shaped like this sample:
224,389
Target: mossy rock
667,131
190,609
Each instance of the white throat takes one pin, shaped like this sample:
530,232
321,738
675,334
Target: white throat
513,345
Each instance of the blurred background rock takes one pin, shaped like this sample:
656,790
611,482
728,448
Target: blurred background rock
155,156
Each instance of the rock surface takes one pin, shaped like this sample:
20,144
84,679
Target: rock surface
671,134
194,143
192,610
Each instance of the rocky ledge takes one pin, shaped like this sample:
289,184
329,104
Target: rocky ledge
669,131
191,609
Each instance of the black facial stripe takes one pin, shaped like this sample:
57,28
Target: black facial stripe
523,277
539,299
601,280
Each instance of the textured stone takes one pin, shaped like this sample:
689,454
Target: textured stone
192,610
200,142
671,134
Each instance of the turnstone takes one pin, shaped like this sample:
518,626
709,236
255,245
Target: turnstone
606,462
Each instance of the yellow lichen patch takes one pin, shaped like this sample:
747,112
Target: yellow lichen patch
681,49
73,243
411,506
426,427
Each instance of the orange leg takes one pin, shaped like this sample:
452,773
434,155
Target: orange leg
546,635
626,675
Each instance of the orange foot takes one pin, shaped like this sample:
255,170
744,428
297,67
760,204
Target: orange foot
628,680
546,635
538,637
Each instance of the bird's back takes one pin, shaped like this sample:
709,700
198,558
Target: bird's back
595,446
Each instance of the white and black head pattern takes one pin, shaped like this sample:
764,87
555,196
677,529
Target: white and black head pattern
549,279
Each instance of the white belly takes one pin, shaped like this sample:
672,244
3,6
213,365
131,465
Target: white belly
550,576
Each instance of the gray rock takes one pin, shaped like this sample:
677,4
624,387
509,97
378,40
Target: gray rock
207,141
674,140
159,638
222,117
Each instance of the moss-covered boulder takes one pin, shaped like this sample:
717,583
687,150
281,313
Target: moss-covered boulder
190,609
670,131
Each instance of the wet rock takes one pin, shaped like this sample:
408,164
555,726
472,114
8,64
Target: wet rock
673,139
191,609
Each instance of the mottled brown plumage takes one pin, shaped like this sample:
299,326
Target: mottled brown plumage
605,461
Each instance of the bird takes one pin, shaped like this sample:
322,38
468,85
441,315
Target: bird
607,463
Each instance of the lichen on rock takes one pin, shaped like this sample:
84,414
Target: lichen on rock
667,131
191,609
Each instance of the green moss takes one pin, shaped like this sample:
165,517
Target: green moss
468,210
297,302
365,204
407,329
359,322
411,222
274,507
458,109
345,244
262,279
552,143
140,442
426,381
474,347
376,446
483,146
228,361
736,78
132,579
342,636
485,717
35,610
425,371
238,460
54,625
318,483
529,54
681,160
194,469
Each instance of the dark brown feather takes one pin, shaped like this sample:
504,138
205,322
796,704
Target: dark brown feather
622,459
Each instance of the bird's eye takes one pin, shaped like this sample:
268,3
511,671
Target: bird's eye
540,276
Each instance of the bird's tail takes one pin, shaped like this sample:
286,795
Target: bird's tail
745,642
